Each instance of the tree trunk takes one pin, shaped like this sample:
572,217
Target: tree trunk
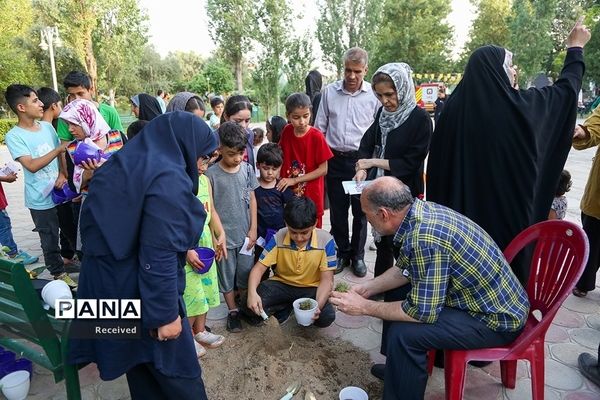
90,63
239,84
111,96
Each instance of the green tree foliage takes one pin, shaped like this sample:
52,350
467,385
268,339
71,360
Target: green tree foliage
272,34
231,25
565,16
214,77
343,24
592,49
415,32
530,25
489,26
299,62
106,36
15,61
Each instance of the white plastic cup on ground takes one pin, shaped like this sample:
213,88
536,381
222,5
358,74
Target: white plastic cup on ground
304,317
56,290
353,393
15,386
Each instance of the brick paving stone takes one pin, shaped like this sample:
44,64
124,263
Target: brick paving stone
557,334
567,353
522,391
376,324
586,337
113,390
355,279
562,377
218,312
584,306
593,321
349,321
376,356
581,395
568,319
363,338
494,370
479,385
333,330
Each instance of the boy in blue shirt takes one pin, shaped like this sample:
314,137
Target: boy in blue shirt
35,146
269,200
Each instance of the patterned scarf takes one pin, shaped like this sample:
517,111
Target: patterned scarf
85,114
400,73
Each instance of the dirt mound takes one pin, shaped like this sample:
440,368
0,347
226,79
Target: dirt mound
256,364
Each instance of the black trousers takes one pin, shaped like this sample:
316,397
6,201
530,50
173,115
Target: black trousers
46,225
386,254
591,226
68,230
147,383
342,169
406,345
277,295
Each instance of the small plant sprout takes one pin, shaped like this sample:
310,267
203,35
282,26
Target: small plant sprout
342,287
306,305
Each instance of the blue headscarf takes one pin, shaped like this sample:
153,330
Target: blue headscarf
146,193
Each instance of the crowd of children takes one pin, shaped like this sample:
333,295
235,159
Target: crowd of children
248,189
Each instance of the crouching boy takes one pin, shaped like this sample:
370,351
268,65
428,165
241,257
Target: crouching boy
305,258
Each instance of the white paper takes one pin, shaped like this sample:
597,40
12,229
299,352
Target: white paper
10,167
261,241
244,248
354,187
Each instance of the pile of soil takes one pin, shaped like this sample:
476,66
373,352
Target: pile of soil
261,362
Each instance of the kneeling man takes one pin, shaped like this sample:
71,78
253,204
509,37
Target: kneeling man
305,260
453,286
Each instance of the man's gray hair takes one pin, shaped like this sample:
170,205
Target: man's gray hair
395,196
356,55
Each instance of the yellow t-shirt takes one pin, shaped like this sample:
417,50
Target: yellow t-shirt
300,267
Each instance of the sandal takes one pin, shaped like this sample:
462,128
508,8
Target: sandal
579,292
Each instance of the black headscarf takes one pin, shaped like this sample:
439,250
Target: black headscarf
153,180
497,152
149,107
314,83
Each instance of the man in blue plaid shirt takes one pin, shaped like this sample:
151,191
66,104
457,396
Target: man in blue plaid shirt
452,288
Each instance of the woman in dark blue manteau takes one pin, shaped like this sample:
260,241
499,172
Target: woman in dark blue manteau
140,218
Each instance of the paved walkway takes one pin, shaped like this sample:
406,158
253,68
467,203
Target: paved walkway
576,328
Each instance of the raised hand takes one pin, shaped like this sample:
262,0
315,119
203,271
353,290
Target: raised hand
579,35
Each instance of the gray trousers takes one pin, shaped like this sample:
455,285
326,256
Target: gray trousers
47,227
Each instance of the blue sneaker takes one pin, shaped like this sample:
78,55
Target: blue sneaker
25,258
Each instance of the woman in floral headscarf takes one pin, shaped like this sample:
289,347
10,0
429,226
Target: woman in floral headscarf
87,125
396,143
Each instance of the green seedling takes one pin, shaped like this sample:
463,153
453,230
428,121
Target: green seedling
306,305
342,287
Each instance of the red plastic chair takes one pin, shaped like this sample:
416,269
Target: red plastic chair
561,252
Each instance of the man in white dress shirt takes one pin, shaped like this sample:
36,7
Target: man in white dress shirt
346,111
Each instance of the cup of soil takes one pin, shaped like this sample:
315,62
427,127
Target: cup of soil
207,256
353,393
304,310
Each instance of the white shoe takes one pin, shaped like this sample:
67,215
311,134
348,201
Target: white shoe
200,350
209,339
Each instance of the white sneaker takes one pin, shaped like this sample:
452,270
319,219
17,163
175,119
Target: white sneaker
209,339
200,350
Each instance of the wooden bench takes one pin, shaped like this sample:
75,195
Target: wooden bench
23,317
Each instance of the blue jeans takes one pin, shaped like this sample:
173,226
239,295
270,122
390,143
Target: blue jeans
6,237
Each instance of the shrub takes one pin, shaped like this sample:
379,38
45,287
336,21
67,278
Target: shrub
5,126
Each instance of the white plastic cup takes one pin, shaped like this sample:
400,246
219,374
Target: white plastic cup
304,317
15,386
56,290
353,393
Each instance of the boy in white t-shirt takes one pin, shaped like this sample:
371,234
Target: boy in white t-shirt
35,145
